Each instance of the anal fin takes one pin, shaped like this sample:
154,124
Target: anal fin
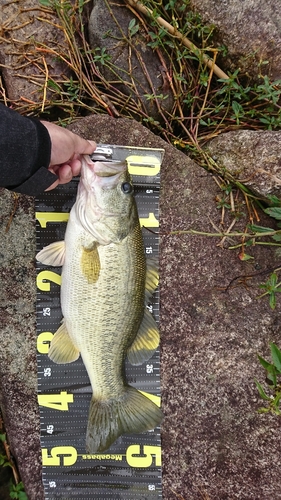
146,341
62,350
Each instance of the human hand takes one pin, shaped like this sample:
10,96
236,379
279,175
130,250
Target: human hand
66,152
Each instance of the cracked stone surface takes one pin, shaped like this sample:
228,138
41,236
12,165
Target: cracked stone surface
252,157
251,31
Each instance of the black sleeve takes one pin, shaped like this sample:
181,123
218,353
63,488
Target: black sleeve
25,151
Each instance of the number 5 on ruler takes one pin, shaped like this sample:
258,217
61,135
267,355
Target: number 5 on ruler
69,456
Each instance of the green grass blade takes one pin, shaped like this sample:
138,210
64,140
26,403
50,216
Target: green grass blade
268,366
272,300
276,356
262,393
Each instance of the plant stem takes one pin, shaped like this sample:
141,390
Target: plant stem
173,31
268,243
237,234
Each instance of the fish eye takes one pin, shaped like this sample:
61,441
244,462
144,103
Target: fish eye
127,188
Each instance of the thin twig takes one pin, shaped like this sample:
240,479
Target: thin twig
206,94
221,243
16,202
45,84
222,234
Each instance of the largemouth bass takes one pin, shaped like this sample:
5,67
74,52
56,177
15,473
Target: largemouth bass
106,283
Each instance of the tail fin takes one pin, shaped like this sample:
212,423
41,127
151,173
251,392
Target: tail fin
131,413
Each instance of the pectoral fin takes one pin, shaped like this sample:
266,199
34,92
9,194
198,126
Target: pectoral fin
146,341
90,262
53,254
152,277
62,350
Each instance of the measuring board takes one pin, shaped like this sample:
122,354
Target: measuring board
131,468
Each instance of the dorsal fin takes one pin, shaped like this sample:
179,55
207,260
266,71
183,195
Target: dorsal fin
152,277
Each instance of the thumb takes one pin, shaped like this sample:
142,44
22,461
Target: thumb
85,147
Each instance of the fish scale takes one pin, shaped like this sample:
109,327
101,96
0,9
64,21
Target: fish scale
105,293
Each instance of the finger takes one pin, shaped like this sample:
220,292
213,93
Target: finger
75,166
53,186
85,147
65,173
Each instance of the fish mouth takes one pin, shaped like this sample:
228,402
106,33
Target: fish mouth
94,202
105,174
109,169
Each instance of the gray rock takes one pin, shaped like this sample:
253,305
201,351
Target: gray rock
214,442
132,60
253,157
251,30
18,367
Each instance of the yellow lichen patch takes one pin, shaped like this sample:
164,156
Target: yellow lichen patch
90,264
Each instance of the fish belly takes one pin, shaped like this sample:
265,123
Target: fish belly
103,315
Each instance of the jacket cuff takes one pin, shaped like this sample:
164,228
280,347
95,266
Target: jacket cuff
41,178
44,146
37,183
